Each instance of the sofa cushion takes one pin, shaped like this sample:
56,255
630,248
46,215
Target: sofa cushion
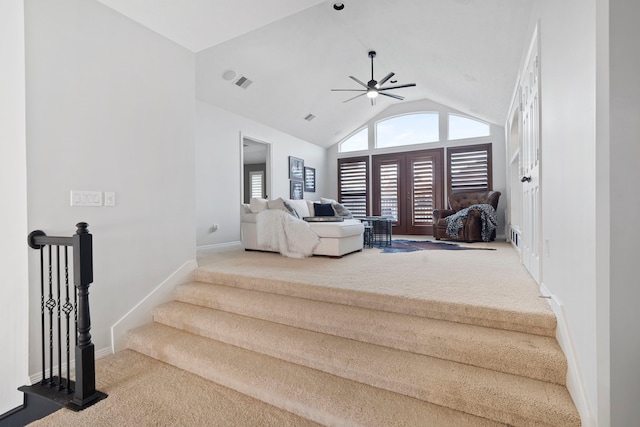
341,210
258,205
323,209
282,205
300,206
336,230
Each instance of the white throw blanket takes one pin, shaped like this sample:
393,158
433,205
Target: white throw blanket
281,232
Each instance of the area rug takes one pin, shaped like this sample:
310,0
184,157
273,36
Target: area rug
402,245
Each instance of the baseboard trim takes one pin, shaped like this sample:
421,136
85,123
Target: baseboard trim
37,377
140,314
220,247
575,380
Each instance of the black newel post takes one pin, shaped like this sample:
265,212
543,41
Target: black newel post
85,390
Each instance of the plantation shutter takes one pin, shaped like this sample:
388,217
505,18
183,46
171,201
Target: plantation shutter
256,184
469,168
389,190
423,191
352,185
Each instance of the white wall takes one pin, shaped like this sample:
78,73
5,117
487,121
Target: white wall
14,304
497,140
568,172
577,209
218,171
110,107
624,58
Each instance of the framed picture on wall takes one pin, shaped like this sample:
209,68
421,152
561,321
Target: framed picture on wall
296,168
296,190
309,179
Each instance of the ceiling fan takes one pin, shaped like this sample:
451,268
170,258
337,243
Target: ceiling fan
373,88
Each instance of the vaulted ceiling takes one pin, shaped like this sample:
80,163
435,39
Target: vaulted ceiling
461,53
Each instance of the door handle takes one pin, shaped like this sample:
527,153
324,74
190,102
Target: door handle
525,179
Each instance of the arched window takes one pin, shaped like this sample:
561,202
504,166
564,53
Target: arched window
407,129
461,127
356,142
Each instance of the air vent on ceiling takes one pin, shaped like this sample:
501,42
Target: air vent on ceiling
309,117
243,82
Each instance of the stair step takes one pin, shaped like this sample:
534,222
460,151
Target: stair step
310,393
519,320
462,387
532,356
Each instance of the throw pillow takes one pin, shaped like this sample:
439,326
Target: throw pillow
277,204
324,200
257,205
323,209
300,206
291,210
341,210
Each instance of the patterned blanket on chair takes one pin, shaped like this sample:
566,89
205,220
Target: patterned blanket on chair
487,215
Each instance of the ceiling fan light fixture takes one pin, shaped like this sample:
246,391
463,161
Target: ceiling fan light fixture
372,93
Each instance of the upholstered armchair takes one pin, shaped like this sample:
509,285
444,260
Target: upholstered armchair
472,224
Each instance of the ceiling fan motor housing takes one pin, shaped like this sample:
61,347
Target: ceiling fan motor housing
372,88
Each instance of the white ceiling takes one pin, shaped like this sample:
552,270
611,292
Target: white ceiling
461,53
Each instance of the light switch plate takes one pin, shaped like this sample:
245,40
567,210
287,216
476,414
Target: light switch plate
109,198
86,198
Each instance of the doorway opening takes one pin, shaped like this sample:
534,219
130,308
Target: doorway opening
256,169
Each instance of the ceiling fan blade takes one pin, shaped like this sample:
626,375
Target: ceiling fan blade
373,101
385,78
348,90
392,96
398,86
357,96
358,81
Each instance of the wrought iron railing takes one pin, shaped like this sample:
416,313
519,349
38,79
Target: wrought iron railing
65,317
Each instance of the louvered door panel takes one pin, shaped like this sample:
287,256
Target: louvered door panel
423,192
389,190
352,185
408,187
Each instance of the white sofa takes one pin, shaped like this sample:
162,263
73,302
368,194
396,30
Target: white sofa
336,238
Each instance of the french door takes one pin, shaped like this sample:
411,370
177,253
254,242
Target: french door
408,187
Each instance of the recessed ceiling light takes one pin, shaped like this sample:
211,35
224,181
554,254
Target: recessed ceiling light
229,75
338,5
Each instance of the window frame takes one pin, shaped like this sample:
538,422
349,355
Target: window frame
413,113
351,135
470,148
468,118
367,184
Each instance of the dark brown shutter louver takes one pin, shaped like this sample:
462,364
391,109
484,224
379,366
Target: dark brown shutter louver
352,184
469,168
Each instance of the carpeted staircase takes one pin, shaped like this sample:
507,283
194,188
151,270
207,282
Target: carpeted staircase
353,358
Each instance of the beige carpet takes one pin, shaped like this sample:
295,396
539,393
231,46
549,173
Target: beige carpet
435,338
489,288
145,392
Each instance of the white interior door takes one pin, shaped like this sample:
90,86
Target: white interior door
530,162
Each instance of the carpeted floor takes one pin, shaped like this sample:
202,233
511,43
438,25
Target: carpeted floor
490,279
145,392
